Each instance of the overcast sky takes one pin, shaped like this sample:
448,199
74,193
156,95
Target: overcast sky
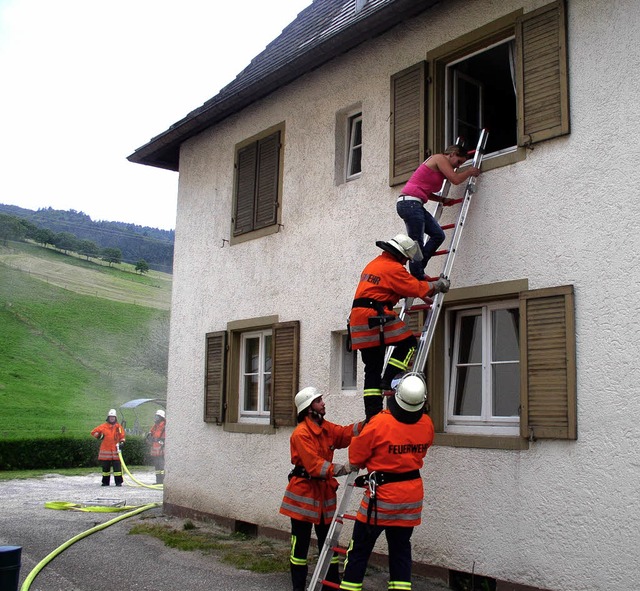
85,83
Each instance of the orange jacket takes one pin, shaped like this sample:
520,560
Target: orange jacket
113,434
387,445
157,439
384,279
312,446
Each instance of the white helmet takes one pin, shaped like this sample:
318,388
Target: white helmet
160,413
411,392
305,397
112,413
403,245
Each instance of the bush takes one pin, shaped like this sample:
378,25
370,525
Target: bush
63,451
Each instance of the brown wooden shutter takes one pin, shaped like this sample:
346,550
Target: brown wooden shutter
543,89
408,122
548,364
215,377
267,184
245,189
284,375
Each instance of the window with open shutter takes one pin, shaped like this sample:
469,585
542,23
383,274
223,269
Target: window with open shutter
408,117
286,346
216,344
509,76
548,377
543,107
258,185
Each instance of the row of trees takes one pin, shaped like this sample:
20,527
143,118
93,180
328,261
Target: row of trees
14,228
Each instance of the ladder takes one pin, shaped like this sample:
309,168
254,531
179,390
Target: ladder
330,545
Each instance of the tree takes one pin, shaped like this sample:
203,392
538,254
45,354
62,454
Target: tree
142,267
88,248
65,241
10,228
44,236
112,255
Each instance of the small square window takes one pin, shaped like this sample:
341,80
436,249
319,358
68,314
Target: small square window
349,366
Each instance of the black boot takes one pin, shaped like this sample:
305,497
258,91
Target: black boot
372,405
299,577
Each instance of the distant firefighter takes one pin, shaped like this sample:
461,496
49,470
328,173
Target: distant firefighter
111,433
156,438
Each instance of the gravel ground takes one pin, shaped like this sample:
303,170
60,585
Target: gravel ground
110,558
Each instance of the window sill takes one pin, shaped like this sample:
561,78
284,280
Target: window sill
253,234
480,441
254,428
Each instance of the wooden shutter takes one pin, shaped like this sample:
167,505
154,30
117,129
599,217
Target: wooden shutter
215,377
408,122
267,184
245,189
548,364
284,374
543,89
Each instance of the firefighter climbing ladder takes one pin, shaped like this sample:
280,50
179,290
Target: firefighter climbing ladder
330,545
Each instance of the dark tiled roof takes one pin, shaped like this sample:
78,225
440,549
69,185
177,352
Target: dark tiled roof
321,32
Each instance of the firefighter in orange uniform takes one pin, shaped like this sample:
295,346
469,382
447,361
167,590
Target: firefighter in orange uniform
392,448
373,324
310,497
156,437
112,435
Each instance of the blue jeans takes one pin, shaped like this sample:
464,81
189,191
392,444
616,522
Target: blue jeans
420,222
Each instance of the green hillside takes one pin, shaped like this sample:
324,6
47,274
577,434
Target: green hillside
76,339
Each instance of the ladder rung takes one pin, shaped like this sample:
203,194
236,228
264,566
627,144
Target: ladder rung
330,584
438,253
448,226
352,517
456,201
339,550
418,307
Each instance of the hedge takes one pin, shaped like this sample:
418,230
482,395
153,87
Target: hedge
64,451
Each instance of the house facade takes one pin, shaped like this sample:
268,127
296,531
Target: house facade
290,175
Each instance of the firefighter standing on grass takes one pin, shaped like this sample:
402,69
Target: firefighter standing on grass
156,438
373,324
310,498
111,433
392,448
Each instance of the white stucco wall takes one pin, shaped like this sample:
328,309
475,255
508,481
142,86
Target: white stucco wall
560,515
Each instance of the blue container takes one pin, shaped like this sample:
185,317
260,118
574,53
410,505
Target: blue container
10,567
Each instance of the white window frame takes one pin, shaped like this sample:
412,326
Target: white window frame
353,121
261,415
451,99
484,424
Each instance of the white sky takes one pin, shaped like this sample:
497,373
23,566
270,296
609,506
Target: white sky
85,83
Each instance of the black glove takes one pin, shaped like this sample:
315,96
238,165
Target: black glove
100,435
121,444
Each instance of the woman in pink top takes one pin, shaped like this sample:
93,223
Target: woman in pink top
420,188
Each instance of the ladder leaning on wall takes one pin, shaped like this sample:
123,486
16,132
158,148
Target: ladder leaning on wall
331,544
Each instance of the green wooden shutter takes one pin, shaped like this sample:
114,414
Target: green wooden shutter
284,374
543,89
266,209
548,364
215,377
245,189
408,122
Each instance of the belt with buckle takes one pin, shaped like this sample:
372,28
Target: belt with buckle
409,198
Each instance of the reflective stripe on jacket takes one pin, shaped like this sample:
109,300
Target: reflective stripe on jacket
384,279
312,446
387,445
113,434
157,439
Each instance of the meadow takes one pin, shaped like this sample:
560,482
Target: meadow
77,337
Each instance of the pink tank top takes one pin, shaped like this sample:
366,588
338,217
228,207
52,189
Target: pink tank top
423,182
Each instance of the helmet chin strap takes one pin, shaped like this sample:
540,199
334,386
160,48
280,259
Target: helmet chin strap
316,416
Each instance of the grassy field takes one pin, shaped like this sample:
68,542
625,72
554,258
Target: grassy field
76,338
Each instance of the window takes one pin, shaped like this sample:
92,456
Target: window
354,150
257,188
509,76
484,373
349,366
255,376
251,375
501,369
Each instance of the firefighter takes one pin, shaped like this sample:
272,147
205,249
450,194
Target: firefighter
392,448
373,324
111,433
310,497
156,437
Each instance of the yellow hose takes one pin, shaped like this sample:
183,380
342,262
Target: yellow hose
126,469
47,559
